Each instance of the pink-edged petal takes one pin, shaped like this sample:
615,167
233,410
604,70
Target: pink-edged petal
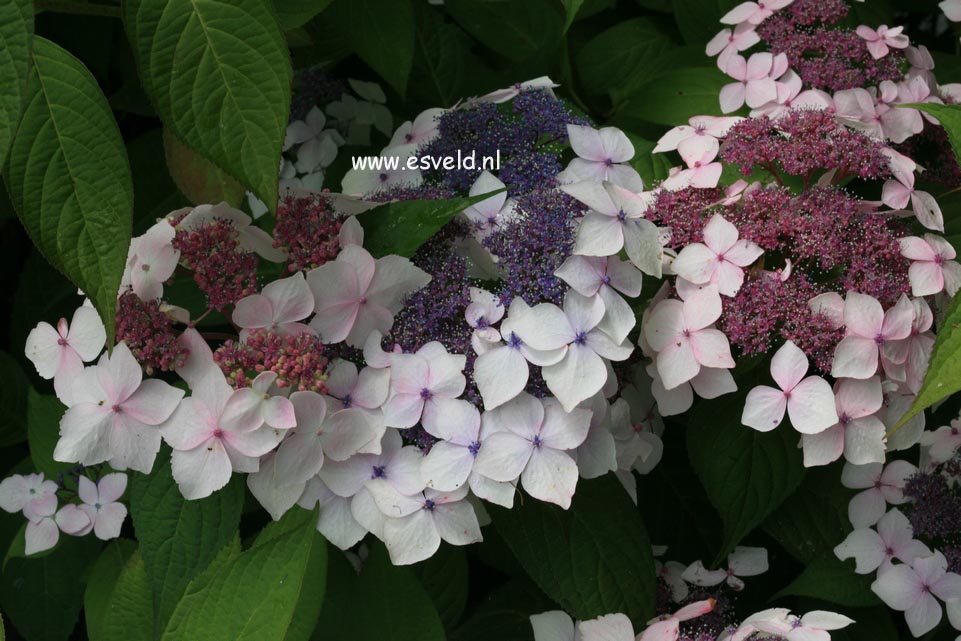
610,627
927,278
740,13
72,520
811,406
503,456
110,488
40,536
43,349
349,431
711,348
764,408
696,263
697,574
863,315
855,357
732,97
551,476
712,382
278,413
412,538
599,235
243,411
87,490
552,626
865,546
87,334
456,522
563,430
588,143
119,374
824,447
110,521
864,441
702,306
447,466
866,508
201,471
403,410
677,364
577,377
254,311
788,366
501,374
924,615
153,402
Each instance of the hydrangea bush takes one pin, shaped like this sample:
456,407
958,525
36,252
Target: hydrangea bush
640,324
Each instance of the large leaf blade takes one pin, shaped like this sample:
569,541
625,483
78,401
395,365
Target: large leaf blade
747,474
16,30
219,75
253,596
179,538
68,176
592,559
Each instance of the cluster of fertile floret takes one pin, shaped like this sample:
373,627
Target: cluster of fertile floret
387,389
797,261
398,392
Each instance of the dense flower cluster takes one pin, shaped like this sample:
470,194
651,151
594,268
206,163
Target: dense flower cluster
825,55
398,394
298,360
308,229
149,332
223,271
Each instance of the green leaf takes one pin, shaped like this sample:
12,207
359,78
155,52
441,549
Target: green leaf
445,578
155,193
815,518
831,580
571,7
178,538
42,595
622,57
876,624
16,30
383,603
200,180
253,596
652,167
516,29
68,149
42,294
13,401
747,474
102,583
381,33
219,75
401,227
444,68
296,13
504,615
129,612
592,559
675,507
699,20
943,377
44,412
311,599
950,118
671,97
